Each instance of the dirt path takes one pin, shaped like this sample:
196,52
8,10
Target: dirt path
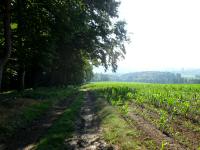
25,138
153,132
87,136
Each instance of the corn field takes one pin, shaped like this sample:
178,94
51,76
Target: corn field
174,98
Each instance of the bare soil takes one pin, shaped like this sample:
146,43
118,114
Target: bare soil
88,133
154,133
192,137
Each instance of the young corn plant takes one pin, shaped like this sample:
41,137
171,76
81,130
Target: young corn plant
185,108
119,96
163,145
124,109
163,121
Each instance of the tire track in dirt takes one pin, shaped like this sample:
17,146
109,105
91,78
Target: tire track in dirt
192,138
88,134
153,132
25,138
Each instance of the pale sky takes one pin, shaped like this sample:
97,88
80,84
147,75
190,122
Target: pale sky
165,34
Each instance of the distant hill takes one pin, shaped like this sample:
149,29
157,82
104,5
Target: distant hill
146,77
151,77
190,73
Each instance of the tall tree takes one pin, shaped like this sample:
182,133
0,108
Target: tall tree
58,41
7,36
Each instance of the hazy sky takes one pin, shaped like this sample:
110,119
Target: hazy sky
165,34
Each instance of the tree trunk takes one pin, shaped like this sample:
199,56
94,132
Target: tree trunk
21,78
21,25
1,74
7,36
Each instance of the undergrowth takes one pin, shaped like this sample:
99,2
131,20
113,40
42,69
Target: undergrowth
20,109
62,128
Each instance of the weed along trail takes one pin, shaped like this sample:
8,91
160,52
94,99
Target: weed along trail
87,135
26,138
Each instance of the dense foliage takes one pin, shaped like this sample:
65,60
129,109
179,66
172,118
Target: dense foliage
57,42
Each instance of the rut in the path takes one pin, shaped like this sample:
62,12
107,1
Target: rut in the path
87,136
25,138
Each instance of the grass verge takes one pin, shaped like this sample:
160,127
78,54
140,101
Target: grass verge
118,132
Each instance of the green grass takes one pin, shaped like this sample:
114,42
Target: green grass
20,109
62,128
118,132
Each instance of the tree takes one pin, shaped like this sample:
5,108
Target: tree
57,41
7,36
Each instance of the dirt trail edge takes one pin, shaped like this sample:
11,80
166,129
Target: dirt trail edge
88,134
25,138
153,132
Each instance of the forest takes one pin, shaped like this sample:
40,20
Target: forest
48,43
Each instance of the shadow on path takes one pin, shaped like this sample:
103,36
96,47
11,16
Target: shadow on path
88,134
25,138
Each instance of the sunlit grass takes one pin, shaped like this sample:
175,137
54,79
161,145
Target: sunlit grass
118,132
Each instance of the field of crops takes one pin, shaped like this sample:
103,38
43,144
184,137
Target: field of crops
173,109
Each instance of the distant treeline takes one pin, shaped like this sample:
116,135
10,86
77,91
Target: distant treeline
146,77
